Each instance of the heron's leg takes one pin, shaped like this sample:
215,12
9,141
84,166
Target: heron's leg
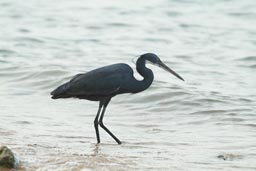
103,126
96,125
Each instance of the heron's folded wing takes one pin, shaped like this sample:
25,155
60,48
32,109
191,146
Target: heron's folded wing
96,83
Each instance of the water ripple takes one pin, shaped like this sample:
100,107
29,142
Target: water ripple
173,125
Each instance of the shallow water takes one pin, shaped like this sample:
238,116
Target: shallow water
173,125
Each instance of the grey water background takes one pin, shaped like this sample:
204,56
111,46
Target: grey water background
173,125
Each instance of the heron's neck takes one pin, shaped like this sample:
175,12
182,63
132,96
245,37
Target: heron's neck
146,73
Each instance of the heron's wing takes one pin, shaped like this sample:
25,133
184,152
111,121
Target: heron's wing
101,82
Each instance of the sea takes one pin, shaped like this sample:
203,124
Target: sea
207,122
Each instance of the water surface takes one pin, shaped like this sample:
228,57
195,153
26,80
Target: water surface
173,125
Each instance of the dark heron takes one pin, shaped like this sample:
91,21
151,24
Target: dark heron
104,83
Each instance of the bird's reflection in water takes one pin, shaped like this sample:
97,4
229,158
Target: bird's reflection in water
103,158
96,150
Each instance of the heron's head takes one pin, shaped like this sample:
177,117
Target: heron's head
155,60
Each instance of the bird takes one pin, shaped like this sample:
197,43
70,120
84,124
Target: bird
102,84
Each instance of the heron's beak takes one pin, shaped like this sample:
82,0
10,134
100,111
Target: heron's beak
166,68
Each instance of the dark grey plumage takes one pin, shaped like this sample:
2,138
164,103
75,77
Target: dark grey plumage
104,83
96,84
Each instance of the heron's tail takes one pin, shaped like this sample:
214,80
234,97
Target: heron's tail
60,92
